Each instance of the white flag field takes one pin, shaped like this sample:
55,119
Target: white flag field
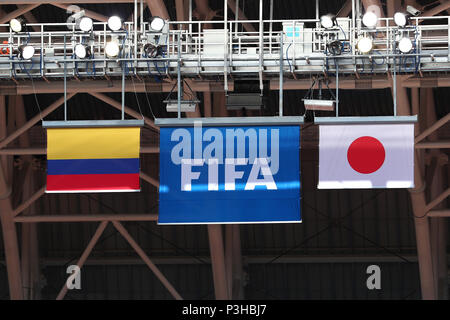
366,156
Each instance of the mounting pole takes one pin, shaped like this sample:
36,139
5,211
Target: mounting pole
261,48
337,89
280,103
317,14
225,60
135,33
123,91
65,81
179,75
394,78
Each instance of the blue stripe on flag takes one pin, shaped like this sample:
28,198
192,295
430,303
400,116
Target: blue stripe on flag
92,166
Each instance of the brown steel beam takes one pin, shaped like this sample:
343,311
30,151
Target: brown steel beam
34,120
87,13
346,9
30,200
85,254
247,26
31,19
436,10
149,179
11,247
438,226
87,218
127,110
147,260
218,261
158,8
30,249
437,200
432,128
439,213
421,221
433,145
19,11
98,85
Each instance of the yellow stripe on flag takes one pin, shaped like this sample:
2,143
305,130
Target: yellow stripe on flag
93,143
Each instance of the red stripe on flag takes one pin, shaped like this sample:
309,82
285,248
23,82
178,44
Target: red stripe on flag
104,182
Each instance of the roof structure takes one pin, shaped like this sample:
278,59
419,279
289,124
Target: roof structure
324,257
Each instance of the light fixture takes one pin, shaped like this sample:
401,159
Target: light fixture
328,21
413,11
319,102
319,105
17,24
86,24
151,50
112,49
405,45
26,52
365,44
157,24
401,19
335,47
185,105
370,19
115,23
82,51
247,100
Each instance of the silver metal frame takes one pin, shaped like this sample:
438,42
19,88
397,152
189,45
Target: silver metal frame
227,121
92,123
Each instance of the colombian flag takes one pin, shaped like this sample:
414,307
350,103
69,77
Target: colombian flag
93,159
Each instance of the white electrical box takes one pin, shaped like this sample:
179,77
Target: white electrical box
297,40
214,41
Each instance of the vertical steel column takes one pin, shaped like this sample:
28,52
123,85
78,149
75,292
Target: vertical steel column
179,76
65,81
238,275
280,103
421,222
226,39
11,246
30,248
218,261
261,45
135,34
438,226
317,14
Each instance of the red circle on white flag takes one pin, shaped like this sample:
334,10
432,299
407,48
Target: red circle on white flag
366,154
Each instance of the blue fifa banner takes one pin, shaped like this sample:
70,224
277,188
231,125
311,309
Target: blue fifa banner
229,174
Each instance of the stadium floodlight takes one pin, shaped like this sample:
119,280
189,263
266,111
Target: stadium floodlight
157,24
401,19
115,23
17,25
365,45
82,51
112,49
370,19
26,52
328,20
405,45
86,24
413,11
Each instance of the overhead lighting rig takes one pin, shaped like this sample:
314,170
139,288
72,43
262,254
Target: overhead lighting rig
319,103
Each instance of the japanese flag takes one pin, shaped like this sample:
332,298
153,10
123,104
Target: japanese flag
366,156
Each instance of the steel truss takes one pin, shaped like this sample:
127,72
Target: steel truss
247,51
206,51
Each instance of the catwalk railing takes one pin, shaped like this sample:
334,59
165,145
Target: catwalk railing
208,49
